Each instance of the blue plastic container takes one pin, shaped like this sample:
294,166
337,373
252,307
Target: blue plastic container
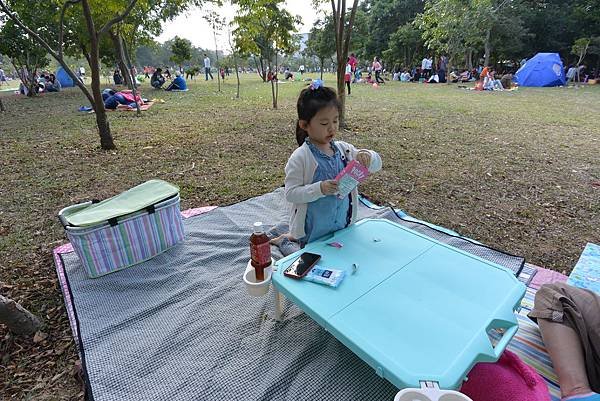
415,309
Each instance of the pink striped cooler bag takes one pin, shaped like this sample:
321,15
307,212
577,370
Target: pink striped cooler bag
126,229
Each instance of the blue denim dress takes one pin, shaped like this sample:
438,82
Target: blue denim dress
326,214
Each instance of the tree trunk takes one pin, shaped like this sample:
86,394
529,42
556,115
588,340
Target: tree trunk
237,76
273,95
118,44
217,63
469,59
488,46
276,80
130,69
262,72
256,65
322,62
341,90
343,32
106,140
26,74
18,319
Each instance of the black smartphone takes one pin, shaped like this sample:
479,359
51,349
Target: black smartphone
301,266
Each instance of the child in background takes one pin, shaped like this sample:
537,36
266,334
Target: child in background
310,171
348,75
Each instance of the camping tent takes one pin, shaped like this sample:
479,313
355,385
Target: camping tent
64,78
543,69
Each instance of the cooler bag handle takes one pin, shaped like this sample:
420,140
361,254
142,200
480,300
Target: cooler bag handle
114,221
61,214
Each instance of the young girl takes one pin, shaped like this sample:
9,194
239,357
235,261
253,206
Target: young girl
310,171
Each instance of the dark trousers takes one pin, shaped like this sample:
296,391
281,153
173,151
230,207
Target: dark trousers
378,78
173,86
207,73
348,85
442,76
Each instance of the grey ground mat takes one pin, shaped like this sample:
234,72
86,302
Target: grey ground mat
181,327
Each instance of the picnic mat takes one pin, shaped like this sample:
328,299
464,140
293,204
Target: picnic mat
120,107
124,107
182,327
586,273
528,345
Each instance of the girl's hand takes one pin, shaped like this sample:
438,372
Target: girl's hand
364,158
329,187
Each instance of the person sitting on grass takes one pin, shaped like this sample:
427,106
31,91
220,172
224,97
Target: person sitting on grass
453,76
465,76
569,321
490,82
157,80
417,75
52,84
357,75
405,76
434,78
507,81
178,83
287,74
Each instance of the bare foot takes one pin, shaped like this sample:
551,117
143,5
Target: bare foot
277,240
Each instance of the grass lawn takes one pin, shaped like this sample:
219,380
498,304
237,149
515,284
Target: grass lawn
9,86
516,170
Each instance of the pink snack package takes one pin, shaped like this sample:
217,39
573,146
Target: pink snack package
353,174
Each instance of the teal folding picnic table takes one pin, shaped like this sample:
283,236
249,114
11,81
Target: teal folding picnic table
416,310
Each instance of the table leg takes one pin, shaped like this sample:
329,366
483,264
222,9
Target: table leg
277,295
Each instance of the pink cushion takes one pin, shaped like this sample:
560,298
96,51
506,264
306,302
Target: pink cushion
508,379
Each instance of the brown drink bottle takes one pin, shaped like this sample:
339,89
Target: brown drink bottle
260,251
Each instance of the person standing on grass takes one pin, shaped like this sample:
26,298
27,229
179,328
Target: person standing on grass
348,75
207,67
310,185
376,67
425,67
353,63
117,78
442,68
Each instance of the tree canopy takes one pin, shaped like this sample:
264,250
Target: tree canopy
181,49
319,43
471,31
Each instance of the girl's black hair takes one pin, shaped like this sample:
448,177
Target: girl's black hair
310,102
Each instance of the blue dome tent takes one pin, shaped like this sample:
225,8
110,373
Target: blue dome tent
64,78
543,69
